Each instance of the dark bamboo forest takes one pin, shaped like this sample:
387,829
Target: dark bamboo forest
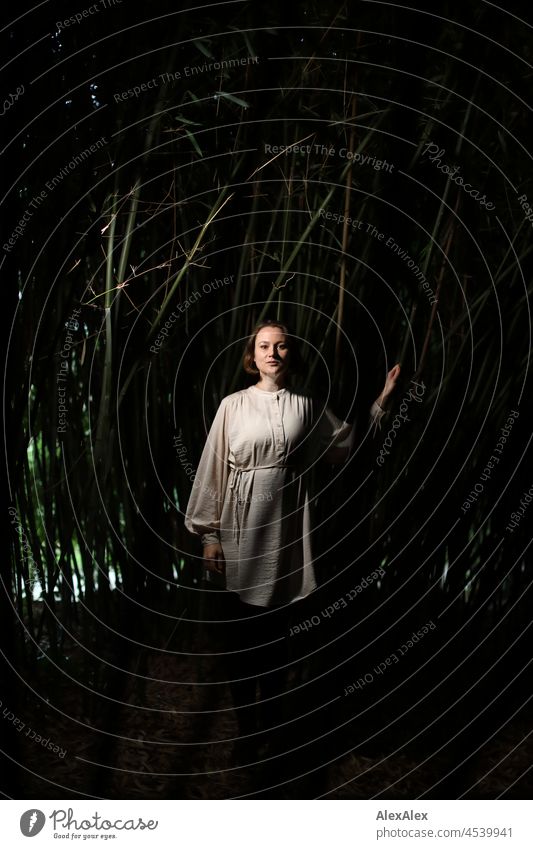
362,172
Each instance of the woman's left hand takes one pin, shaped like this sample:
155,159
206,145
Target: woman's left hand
390,384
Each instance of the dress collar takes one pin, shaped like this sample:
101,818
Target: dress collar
267,392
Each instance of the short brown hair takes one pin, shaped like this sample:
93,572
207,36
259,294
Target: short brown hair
295,361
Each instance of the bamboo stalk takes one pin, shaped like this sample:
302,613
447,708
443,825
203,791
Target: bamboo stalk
345,228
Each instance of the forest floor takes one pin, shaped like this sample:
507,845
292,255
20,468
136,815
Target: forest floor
150,737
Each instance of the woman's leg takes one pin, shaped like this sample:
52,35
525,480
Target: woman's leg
257,652
273,659
240,662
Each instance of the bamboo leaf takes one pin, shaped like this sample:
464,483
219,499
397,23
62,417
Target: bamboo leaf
202,47
192,139
234,99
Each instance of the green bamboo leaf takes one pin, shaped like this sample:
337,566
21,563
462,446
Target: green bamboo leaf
234,99
203,49
194,143
248,44
189,123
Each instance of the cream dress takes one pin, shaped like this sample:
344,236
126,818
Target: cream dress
250,492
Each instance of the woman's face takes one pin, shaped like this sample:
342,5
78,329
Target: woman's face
271,352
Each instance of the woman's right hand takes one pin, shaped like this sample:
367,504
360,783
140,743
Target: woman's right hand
214,557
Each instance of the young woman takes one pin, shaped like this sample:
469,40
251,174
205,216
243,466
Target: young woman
250,505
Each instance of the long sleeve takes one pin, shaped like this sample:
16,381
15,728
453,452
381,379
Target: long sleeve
336,437
376,414
202,515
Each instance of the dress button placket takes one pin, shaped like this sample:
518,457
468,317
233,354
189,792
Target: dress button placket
280,436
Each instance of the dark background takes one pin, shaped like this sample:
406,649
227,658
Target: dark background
108,634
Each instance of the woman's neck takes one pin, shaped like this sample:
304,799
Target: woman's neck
270,385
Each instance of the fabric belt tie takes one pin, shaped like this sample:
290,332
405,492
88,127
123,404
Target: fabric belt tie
235,484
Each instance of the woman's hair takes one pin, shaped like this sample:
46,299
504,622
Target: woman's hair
295,358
